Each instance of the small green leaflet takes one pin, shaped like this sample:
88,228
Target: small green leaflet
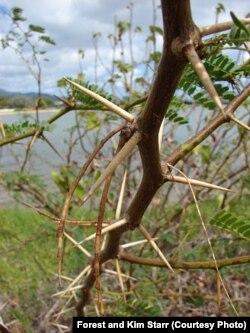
232,223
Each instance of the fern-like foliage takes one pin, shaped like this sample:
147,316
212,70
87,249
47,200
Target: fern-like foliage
234,224
225,74
172,112
23,127
14,179
223,71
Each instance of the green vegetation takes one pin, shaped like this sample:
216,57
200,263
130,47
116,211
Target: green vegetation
29,267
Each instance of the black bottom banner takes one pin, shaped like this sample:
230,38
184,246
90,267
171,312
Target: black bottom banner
169,323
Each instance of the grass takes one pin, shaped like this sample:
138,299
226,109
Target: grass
28,266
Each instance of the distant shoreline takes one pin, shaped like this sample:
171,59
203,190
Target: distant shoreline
12,112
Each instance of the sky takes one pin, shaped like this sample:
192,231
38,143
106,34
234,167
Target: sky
71,23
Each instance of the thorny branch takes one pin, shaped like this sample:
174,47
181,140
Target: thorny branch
96,264
71,192
180,33
214,123
182,42
149,122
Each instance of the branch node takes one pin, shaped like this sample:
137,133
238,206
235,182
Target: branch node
179,44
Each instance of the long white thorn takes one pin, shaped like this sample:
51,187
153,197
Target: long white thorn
160,136
121,196
109,105
119,275
183,180
83,273
117,160
143,241
155,246
105,230
109,271
202,73
82,249
240,123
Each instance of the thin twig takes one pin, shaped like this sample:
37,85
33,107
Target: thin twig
64,309
209,264
71,192
88,223
137,102
155,246
117,160
52,146
208,239
33,140
218,284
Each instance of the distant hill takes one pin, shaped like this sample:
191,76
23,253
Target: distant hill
5,93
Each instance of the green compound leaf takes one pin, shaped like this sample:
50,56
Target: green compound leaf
232,223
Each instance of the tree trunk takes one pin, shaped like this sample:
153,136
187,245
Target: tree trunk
179,32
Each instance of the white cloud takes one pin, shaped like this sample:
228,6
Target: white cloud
72,22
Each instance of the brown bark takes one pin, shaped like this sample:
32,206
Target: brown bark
210,264
179,31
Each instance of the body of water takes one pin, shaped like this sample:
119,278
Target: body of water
43,160
9,154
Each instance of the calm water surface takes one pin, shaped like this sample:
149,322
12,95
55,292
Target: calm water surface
44,160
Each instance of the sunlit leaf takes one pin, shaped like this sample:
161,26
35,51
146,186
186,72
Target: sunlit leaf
47,40
156,29
240,24
36,28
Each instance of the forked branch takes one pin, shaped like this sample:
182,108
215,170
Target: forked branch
185,148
